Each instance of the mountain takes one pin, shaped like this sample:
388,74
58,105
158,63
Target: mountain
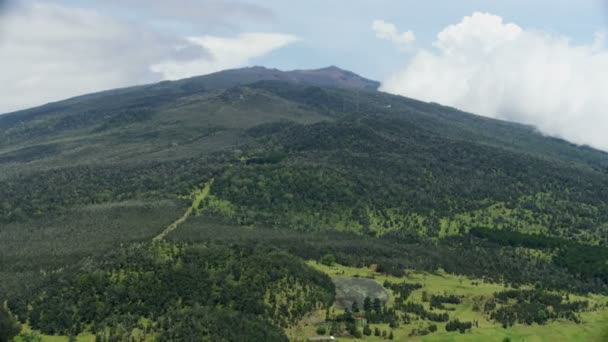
280,167
100,120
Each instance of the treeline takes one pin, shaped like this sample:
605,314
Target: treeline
456,324
532,306
583,260
464,255
437,301
419,310
517,239
402,290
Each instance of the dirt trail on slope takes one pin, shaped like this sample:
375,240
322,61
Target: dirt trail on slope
198,196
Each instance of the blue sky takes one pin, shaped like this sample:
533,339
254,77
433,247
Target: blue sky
349,42
536,62
337,32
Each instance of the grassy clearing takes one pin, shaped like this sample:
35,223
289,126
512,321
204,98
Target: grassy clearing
197,196
26,330
593,328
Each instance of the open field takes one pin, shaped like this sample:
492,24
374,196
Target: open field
594,326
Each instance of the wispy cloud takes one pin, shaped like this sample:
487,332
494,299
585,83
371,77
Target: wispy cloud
49,52
388,31
225,53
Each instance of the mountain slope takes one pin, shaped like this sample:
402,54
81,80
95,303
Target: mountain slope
433,160
312,163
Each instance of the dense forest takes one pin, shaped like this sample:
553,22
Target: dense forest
142,290
303,167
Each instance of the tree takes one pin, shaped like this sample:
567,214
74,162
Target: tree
367,304
32,337
321,330
376,331
355,307
367,331
391,336
9,327
377,305
328,259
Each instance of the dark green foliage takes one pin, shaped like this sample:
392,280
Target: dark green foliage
419,310
32,337
209,324
402,290
531,307
9,327
437,301
584,260
328,260
47,191
588,261
517,239
474,258
59,239
454,325
189,284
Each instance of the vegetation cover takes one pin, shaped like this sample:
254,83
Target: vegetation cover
259,169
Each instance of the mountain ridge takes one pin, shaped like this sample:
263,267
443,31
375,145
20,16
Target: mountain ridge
77,111
327,76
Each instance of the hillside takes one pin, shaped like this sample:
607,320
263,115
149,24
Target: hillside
303,164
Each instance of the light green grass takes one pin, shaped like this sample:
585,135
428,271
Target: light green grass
197,196
83,337
594,326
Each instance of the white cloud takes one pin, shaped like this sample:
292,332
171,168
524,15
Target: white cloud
49,52
388,31
225,53
486,66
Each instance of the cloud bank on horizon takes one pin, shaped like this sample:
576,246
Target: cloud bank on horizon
50,52
501,70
